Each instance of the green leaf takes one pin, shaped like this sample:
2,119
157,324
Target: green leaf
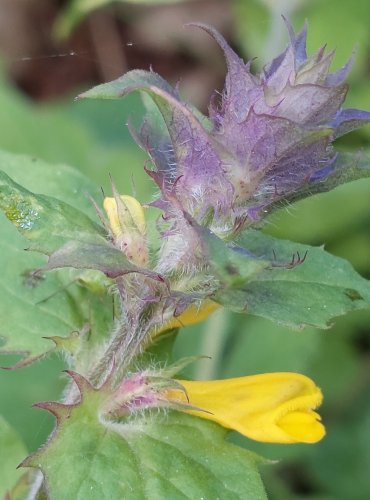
12,451
104,258
152,457
45,221
25,320
27,314
311,293
60,181
232,265
165,97
147,81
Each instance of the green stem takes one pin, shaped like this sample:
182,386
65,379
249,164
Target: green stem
213,342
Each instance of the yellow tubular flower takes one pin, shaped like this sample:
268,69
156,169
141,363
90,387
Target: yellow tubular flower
272,407
132,217
192,315
127,224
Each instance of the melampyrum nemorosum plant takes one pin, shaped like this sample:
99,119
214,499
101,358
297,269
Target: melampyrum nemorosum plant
267,142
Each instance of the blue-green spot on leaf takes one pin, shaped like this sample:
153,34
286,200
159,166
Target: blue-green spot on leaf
20,212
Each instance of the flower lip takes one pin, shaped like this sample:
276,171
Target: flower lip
271,407
298,420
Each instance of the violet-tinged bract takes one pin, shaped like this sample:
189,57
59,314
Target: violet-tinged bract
267,141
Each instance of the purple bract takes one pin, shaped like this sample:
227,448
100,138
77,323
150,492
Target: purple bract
267,141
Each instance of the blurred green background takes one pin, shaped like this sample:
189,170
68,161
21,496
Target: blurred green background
51,50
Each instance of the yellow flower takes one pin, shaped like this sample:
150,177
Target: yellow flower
192,315
272,407
127,225
131,215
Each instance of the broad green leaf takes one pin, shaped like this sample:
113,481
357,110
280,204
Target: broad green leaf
59,181
27,314
12,451
46,222
311,293
24,319
154,457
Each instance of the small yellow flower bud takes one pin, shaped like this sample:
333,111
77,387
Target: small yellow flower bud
127,224
130,215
